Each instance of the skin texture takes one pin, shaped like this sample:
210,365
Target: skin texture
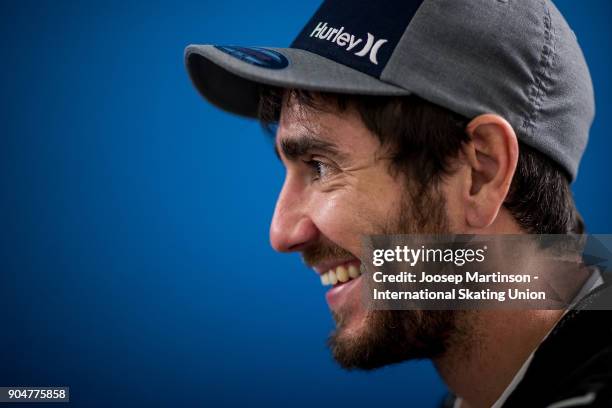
339,186
350,197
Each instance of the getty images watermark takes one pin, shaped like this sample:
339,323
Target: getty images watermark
447,272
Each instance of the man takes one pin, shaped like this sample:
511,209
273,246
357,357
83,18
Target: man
462,116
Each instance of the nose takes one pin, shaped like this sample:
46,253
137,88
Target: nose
292,229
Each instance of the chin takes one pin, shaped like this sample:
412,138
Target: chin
374,339
351,326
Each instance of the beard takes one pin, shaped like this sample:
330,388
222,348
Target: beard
392,336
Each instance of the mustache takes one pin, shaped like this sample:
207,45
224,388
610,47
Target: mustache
322,252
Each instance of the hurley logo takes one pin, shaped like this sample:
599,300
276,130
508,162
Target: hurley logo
343,39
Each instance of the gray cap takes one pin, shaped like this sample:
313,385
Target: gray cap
516,58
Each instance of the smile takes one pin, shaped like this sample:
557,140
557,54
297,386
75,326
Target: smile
340,274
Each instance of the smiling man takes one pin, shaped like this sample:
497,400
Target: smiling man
459,116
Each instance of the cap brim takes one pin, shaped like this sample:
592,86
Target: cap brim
234,85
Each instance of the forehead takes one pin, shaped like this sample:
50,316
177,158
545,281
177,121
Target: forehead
344,129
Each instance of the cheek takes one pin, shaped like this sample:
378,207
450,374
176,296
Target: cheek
343,218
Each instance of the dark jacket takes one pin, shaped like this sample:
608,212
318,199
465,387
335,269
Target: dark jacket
573,366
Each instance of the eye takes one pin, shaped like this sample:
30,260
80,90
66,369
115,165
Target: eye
320,170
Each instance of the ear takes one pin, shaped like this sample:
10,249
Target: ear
491,154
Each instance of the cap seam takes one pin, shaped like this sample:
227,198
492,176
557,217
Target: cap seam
537,89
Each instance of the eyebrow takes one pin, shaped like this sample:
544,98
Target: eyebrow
295,147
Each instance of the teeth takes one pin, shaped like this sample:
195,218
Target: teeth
325,279
333,279
341,274
353,272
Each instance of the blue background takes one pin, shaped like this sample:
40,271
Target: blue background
134,255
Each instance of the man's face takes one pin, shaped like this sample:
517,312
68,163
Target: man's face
339,187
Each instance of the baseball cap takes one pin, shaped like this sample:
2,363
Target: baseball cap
515,58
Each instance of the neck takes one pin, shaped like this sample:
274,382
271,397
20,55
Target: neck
480,366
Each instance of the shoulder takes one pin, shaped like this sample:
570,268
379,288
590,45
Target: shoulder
573,366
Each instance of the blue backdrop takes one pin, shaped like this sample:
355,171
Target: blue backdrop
134,255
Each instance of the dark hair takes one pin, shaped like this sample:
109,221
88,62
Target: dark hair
425,137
